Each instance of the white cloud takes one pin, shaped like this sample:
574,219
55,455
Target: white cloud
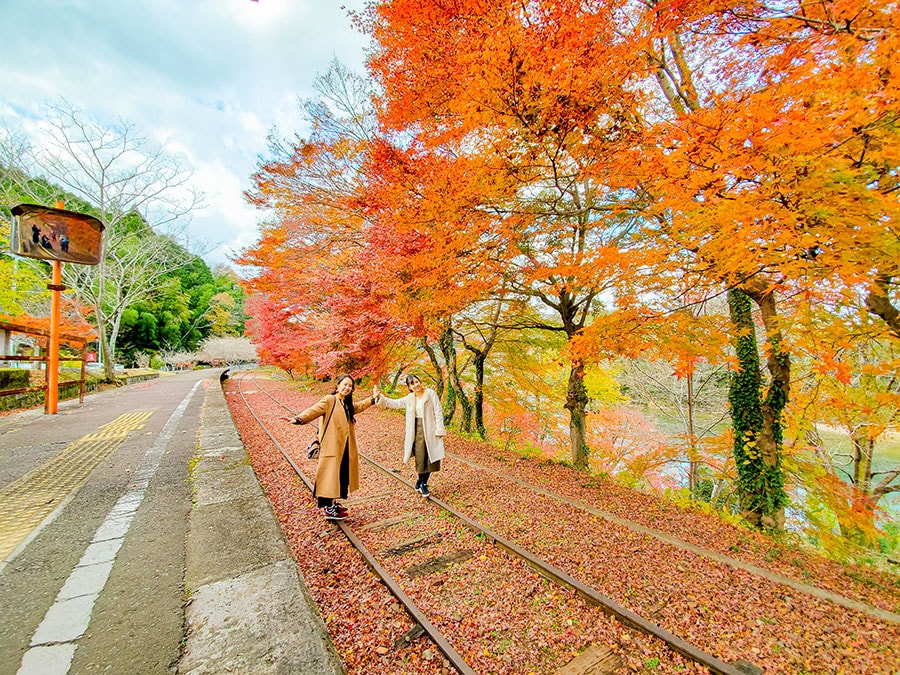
208,78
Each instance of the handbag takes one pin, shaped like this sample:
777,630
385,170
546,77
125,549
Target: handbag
312,450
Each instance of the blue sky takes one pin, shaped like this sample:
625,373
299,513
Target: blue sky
206,78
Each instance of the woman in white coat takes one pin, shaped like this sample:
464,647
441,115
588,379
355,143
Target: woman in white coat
424,428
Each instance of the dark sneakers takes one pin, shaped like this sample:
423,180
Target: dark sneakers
334,513
424,490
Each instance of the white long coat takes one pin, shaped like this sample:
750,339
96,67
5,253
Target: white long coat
432,423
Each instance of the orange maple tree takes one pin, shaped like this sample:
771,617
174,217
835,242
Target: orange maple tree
533,97
600,170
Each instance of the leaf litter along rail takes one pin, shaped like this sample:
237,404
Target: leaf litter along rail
850,603
725,610
482,658
865,590
722,609
446,648
401,537
858,604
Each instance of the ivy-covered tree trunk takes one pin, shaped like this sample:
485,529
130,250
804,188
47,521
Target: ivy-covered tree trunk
576,404
778,363
455,392
757,422
445,343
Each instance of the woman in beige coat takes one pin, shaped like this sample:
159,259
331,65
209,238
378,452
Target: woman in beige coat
337,473
424,428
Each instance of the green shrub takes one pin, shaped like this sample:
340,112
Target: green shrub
14,378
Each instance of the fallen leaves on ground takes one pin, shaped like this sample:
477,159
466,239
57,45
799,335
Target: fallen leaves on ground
478,604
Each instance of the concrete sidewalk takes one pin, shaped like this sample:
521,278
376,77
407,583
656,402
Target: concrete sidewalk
249,610
136,538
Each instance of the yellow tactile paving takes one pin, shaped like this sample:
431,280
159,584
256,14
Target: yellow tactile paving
25,503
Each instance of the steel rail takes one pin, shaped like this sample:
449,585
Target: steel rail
454,657
558,576
815,591
587,593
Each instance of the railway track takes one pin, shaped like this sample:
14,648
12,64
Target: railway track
390,542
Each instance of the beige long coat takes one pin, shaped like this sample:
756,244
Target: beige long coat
432,423
340,434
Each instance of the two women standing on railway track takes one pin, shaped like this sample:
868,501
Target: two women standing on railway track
424,428
337,472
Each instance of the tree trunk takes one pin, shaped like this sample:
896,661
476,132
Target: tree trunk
464,404
863,447
445,343
438,371
757,426
861,527
576,403
860,531
878,302
778,363
113,326
396,378
480,358
454,389
109,366
694,464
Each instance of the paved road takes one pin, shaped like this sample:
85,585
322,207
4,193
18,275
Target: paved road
134,538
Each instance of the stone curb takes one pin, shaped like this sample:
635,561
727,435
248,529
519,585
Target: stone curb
249,610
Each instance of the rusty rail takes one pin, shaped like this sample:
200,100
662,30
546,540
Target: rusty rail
454,657
557,576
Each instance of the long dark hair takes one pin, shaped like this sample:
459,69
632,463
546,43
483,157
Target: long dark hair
347,401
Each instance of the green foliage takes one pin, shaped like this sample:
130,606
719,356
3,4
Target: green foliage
13,378
24,289
188,305
889,542
25,280
704,490
221,315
